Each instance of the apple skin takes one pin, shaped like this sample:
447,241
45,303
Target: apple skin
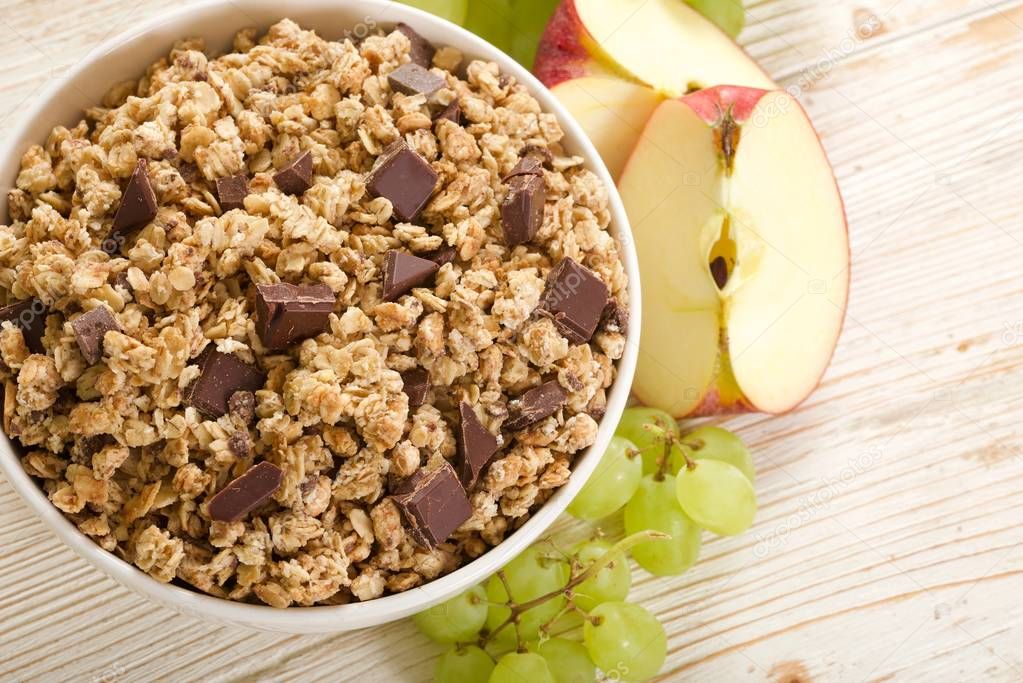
561,56
567,50
711,103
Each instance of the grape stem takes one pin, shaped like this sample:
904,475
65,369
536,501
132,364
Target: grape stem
518,608
663,460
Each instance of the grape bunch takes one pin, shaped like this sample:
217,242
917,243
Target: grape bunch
672,483
523,623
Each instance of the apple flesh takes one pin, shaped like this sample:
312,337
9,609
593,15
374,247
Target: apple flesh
737,177
612,111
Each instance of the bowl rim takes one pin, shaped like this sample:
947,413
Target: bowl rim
188,21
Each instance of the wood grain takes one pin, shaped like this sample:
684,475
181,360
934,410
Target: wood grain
887,545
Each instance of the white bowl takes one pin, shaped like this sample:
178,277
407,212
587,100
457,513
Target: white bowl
127,56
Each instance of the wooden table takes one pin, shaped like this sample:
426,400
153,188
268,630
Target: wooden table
887,543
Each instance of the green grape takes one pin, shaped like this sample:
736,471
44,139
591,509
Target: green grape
655,506
458,619
463,665
626,642
492,21
716,443
611,584
717,496
647,429
530,21
530,575
522,667
567,660
729,15
452,10
612,484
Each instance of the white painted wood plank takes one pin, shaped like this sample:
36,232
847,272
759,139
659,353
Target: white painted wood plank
887,545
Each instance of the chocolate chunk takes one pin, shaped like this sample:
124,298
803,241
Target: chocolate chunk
615,318
575,298
84,447
541,153
90,328
404,271
416,386
286,313
422,50
719,271
232,191
476,446
441,255
188,171
536,404
452,112
137,207
522,209
30,316
527,166
246,493
242,406
296,177
138,202
412,79
220,376
405,178
434,505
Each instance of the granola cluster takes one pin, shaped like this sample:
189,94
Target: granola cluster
117,446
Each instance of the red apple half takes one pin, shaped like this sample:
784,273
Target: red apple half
735,177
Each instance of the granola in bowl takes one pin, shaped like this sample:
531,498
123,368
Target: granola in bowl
309,322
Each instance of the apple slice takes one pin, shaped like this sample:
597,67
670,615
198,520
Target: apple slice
663,43
613,112
735,177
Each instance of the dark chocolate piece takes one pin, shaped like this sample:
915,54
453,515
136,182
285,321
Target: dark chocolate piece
412,79
452,112
476,446
416,386
84,447
522,208
422,50
90,328
536,404
404,271
30,316
296,177
246,493
137,207
287,313
615,318
575,299
719,271
542,153
528,165
232,191
220,376
441,255
405,178
188,171
434,505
